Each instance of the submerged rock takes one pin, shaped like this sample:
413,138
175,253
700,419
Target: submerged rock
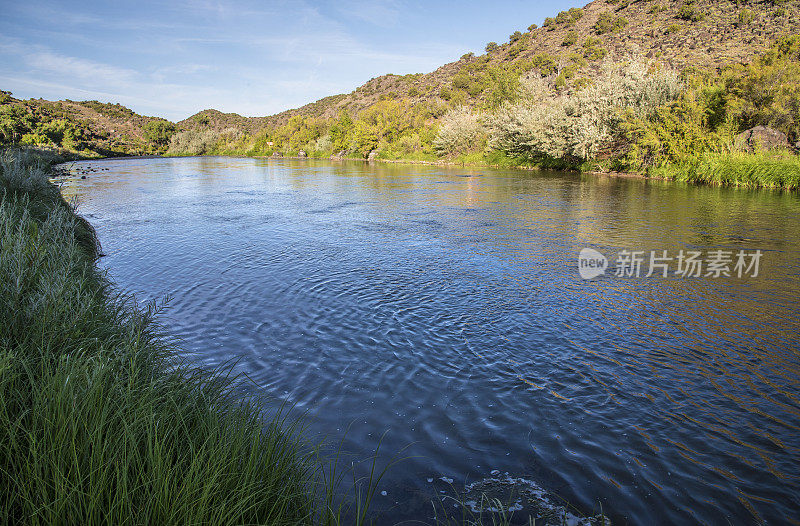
500,493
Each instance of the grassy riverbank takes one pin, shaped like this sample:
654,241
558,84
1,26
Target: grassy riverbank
759,170
99,420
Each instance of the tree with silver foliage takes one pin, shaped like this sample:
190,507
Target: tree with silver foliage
579,126
459,131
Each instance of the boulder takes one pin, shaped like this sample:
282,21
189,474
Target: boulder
373,155
277,154
339,156
302,153
761,138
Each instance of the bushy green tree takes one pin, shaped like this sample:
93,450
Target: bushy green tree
341,131
158,132
15,122
767,92
364,139
502,86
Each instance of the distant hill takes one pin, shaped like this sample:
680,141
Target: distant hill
571,48
678,33
88,126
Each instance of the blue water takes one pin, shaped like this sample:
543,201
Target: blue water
443,307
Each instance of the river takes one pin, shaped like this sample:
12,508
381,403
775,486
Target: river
444,308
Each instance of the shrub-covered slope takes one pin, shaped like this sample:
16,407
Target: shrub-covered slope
706,34
89,128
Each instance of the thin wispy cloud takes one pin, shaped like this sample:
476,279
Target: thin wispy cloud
79,68
383,13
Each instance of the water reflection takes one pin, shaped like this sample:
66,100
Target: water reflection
445,306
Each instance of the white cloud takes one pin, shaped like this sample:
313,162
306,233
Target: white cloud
81,68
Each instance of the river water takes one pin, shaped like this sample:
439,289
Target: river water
444,308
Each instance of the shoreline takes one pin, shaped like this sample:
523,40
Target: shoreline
442,163
89,376
734,170
450,164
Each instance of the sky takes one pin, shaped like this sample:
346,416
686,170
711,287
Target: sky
172,59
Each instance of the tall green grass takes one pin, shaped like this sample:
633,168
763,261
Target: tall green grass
769,170
100,423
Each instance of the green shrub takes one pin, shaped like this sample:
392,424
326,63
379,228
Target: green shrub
746,16
765,92
608,23
689,12
544,63
460,131
501,85
593,49
159,132
460,81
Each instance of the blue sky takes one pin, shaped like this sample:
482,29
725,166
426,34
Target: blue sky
172,59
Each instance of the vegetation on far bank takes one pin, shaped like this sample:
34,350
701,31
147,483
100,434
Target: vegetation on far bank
635,117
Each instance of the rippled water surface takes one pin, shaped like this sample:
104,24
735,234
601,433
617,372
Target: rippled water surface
444,307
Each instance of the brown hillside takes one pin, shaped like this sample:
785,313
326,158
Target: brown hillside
110,128
679,33
573,45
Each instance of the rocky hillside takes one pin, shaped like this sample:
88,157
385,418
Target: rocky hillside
570,48
90,126
217,120
575,43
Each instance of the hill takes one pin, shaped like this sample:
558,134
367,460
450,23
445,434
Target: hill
705,34
403,116
91,128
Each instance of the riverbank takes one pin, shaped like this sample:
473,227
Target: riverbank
775,170
100,421
737,169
